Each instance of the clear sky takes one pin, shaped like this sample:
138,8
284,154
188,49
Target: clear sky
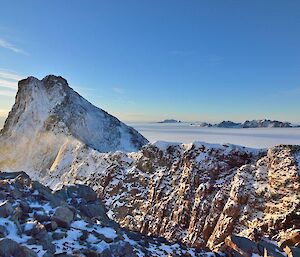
150,60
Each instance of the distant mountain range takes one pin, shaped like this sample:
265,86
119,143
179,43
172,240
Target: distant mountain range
247,124
170,121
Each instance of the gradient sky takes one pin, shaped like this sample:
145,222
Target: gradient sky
150,60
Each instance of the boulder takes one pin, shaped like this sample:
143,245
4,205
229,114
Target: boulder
58,235
63,216
35,229
3,231
290,239
81,191
45,193
51,225
24,206
41,217
270,249
244,246
10,248
90,253
6,209
92,210
123,249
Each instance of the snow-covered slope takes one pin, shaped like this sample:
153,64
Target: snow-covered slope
48,117
194,193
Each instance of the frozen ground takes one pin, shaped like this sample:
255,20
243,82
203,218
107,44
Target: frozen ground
257,138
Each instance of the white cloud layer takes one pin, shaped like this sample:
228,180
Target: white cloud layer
10,75
3,112
8,83
7,45
4,92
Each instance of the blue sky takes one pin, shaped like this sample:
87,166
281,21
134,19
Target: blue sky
149,60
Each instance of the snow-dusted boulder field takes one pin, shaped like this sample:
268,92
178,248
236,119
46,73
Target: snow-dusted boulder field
36,222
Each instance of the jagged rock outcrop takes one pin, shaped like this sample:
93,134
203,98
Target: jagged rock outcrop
198,193
34,227
48,117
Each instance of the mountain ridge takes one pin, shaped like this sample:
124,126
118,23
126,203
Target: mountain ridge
48,115
264,123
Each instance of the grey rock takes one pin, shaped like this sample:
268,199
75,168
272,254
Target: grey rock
41,217
92,210
81,191
244,244
3,231
106,253
51,225
45,193
6,209
122,249
270,249
90,253
58,235
10,248
12,175
25,206
38,230
63,216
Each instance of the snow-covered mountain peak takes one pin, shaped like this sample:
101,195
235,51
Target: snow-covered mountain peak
48,113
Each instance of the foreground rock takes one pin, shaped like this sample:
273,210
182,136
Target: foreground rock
68,222
9,248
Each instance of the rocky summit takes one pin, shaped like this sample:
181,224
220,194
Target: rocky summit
49,116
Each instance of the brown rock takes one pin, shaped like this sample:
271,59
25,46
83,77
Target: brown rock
292,251
291,238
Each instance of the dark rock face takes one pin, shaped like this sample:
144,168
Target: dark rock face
34,225
177,192
201,194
